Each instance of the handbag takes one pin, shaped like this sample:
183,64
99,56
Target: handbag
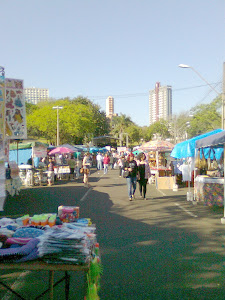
125,173
203,162
81,170
212,164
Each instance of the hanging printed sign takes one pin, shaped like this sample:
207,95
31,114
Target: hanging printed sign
15,110
2,175
2,106
2,138
39,151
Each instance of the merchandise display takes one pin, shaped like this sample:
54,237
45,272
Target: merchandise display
57,239
209,190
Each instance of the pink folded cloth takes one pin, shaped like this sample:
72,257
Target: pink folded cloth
19,241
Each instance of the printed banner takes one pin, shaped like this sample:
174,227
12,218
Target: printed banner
15,110
2,107
39,151
2,139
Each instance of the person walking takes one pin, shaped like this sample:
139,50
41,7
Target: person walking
106,161
144,174
111,161
120,163
99,159
71,163
50,172
86,168
130,165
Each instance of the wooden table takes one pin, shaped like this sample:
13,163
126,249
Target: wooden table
39,265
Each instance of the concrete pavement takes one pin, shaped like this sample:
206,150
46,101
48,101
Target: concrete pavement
161,248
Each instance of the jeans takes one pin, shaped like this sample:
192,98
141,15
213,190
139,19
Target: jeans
131,185
106,168
99,164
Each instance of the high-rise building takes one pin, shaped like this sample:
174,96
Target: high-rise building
160,103
109,107
34,95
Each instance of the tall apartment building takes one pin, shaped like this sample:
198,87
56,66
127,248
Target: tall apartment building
109,107
160,103
34,95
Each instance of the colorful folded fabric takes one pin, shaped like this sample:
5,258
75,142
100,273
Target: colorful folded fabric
16,254
28,232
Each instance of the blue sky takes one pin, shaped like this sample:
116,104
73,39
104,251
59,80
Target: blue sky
118,48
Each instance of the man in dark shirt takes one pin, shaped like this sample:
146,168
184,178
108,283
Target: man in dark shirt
131,166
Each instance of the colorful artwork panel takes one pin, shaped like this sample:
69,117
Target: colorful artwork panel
15,110
2,107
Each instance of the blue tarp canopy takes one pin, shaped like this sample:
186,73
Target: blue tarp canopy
23,155
187,148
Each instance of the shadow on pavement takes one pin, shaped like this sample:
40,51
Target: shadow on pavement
145,255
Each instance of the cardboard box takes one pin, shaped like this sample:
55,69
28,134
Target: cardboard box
165,183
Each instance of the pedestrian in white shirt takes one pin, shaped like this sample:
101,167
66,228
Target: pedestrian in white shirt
99,159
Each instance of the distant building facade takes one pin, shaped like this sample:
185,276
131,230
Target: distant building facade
160,103
35,95
109,107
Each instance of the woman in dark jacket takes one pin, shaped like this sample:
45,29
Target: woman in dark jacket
144,174
131,166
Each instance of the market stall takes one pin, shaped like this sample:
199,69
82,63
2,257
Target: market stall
33,173
52,242
61,168
21,152
186,151
159,159
210,189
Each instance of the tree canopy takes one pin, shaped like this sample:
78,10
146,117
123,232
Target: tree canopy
206,117
79,119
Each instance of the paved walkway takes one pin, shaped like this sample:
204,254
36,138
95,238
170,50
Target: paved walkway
161,248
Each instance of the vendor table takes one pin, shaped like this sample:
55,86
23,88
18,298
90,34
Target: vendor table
62,172
210,190
51,268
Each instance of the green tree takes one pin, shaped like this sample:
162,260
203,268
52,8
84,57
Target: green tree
119,126
206,117
120,123
78,120
134,134
30,108
159,128
178,127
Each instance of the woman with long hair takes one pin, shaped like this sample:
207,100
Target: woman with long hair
144,174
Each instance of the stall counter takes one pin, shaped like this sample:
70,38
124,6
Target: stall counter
209,190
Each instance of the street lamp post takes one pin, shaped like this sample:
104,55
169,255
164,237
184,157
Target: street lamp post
57,108
223,114
223,101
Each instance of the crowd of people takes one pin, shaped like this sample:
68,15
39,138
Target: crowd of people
134,169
